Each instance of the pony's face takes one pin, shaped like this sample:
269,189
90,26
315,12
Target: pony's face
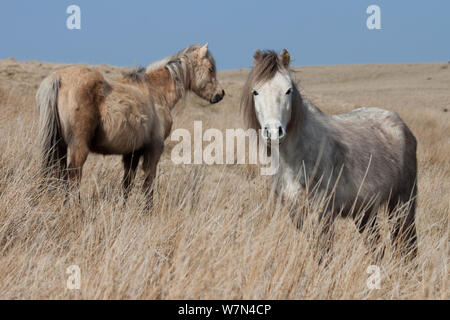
204,81
273,105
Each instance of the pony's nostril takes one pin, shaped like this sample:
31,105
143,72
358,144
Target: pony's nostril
280,132
266,132
217,98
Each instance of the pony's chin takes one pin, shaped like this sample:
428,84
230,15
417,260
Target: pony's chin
275,141
215,101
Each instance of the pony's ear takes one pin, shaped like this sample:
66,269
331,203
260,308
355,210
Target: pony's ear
257,56
204,50
285,58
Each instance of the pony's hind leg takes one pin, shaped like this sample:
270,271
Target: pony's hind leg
56,175
149,165
130,164
404,233
368,221
76,157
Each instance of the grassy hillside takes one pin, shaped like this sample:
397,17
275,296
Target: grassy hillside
214,231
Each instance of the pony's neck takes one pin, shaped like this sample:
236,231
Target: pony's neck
163,85
298,116
307,134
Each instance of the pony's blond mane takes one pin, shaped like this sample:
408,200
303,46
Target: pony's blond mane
180,67
163,62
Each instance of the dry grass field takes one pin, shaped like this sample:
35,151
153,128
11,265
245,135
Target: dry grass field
215,232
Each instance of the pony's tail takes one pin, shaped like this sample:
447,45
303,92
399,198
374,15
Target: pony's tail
52,146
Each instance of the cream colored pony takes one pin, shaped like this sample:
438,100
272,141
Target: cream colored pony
81,112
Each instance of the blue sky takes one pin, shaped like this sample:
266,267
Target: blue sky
319,32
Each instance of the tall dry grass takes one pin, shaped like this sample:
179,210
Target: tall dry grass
214,232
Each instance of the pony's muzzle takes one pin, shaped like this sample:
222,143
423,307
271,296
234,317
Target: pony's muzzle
218,97
271,132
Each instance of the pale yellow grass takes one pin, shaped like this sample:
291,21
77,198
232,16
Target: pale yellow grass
215,232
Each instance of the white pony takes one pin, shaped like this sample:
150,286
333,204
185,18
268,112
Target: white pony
358,160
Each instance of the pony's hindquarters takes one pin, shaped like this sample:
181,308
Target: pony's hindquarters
402,206
52,146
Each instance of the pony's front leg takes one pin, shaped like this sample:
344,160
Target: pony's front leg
130,164
326,234
288,191
150,164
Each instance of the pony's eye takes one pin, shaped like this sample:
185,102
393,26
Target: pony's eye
255,93
289,91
